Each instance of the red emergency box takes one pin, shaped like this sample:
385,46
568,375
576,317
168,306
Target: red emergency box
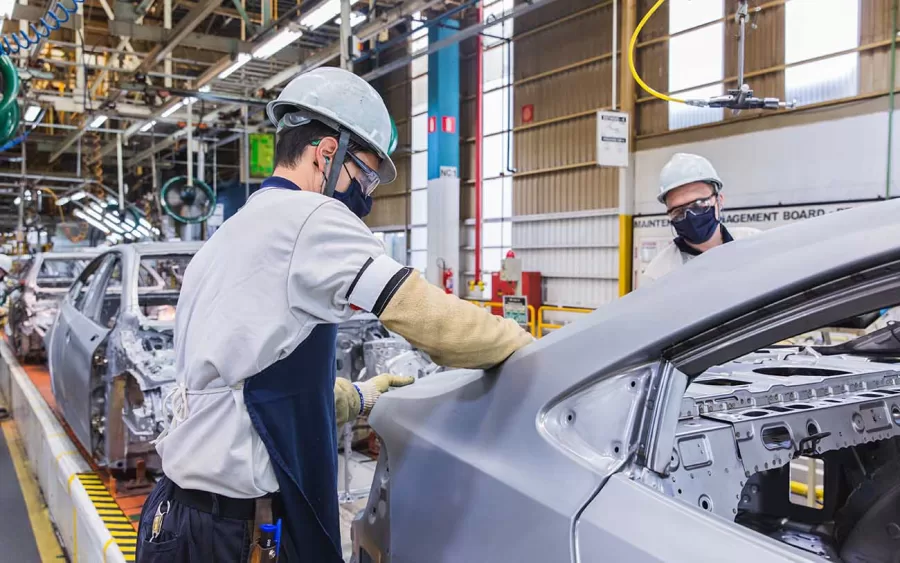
531,288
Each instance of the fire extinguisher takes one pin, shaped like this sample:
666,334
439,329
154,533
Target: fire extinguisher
446,276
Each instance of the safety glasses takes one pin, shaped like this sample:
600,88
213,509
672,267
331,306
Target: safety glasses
695,208
368,179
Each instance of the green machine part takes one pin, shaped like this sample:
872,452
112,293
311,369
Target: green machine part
9,107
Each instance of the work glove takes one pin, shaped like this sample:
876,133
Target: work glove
357,399
453,332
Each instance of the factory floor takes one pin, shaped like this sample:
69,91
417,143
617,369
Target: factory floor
27,533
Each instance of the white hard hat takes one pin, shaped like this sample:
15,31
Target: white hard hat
5,263
340,99
683,169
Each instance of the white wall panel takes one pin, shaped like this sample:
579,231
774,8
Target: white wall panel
837,160
580,293
581,231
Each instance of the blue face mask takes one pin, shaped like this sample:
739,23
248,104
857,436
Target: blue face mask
354,199
699,228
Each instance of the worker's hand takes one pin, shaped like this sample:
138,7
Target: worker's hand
357,399
385,381
373,388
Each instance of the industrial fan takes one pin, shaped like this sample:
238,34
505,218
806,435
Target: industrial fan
187,203
9,107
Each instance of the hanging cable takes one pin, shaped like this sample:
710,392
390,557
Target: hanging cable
13,43
634,72
736,99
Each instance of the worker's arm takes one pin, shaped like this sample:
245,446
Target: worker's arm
339,266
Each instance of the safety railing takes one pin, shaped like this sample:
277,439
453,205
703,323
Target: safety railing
531,313
542,326
536,324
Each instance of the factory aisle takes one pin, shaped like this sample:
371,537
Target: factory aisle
27,534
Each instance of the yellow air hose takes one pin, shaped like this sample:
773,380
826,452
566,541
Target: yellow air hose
634,73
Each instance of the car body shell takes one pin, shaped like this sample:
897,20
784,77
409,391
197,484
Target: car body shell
540,458
34,303
110,365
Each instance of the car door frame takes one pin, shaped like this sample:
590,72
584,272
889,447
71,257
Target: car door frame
81,337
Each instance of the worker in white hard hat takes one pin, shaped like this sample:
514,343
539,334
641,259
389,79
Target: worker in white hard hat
691,190
252,439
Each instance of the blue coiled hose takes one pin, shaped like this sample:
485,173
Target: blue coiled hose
13,43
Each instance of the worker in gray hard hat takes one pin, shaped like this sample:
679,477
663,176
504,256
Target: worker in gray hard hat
691,190
252,438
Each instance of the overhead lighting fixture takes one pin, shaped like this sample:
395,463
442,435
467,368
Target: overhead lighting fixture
321,14
278,42
148,126
242,59
17,201
205,89
32,113
91,221
114,238
98,121
172,109
113,224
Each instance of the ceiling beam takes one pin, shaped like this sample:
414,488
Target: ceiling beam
189,23
201,41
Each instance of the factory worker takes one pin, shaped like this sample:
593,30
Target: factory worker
691,190
253,432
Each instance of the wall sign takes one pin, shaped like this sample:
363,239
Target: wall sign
262,155
515,307
528,113
612,139
448,124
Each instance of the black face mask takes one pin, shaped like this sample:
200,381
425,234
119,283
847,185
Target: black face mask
699,228
354,199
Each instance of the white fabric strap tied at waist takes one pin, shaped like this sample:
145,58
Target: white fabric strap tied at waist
175,405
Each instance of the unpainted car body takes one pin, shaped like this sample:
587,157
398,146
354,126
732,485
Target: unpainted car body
365,348
665,426
34,302
111,350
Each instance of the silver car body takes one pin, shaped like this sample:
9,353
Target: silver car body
111,352
33,305
588,446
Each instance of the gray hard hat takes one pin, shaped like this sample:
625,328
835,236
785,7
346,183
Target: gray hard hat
683,169
342,100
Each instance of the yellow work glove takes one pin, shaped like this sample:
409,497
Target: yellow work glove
357,399
455,333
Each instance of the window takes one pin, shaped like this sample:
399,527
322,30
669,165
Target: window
815,28
696,59
60,272
79,291
418,200
110,300
394,244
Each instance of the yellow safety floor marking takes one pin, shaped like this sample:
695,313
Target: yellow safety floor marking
45,538
113,517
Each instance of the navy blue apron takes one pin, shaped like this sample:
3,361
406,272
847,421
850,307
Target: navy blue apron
291,406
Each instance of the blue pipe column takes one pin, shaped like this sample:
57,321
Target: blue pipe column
443,156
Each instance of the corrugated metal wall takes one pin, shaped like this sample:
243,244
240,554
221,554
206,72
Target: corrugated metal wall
390,206
565,207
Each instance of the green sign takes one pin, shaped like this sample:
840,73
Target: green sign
262,155
515,307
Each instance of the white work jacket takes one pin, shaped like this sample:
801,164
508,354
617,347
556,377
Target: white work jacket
671,257
286,262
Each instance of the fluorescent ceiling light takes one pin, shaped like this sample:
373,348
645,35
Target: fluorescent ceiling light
62,201
278,42
78,195
323,13
17,201
114,238
111,222
91,221
205,89
148,126
32,113
144,222
172,109
98,121
241,60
